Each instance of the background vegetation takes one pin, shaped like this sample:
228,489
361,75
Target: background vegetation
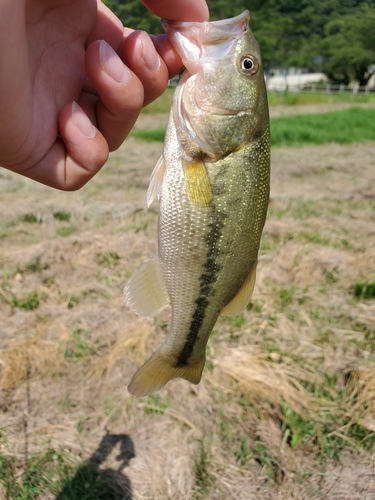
336,37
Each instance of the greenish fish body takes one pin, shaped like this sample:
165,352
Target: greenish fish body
213,184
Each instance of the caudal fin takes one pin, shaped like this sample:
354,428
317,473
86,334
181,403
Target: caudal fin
156,372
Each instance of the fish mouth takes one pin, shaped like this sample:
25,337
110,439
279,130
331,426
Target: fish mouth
188,38
210,31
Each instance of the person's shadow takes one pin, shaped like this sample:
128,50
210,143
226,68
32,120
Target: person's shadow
93,483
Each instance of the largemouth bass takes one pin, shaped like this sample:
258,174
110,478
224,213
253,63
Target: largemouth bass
213,184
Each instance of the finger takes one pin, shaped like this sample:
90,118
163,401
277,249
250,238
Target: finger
139,54
166,51
179,10
120,92
107,27
75,157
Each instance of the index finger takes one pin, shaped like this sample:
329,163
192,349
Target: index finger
179,10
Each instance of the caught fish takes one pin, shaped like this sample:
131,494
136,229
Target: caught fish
212,181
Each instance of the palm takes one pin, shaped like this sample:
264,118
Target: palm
57,73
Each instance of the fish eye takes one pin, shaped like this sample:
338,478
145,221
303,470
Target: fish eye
248,65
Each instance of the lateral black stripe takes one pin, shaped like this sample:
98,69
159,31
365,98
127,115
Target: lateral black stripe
207,280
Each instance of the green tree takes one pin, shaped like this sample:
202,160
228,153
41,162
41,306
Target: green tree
134,14
348,48
340,33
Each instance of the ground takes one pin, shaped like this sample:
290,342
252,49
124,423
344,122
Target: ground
285,408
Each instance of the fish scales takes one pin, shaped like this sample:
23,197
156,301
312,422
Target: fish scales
213,184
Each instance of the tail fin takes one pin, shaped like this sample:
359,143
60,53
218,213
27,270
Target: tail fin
156,372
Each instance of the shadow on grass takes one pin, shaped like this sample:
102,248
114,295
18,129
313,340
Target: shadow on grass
94,483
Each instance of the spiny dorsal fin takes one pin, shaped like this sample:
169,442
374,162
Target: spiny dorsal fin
158,370
145,293
156,181
198,183
240,301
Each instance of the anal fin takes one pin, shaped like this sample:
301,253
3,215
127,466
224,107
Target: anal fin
240,301
145,293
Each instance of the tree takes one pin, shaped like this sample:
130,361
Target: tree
348,48
340,33
134,14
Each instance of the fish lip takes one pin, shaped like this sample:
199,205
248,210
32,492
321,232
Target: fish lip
230,22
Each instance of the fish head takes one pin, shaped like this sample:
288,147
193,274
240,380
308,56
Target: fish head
223,80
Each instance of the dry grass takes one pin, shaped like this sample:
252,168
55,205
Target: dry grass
285,408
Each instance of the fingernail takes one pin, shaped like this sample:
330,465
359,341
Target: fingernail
148,52
82,121
112,64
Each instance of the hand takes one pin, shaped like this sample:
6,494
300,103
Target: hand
67,97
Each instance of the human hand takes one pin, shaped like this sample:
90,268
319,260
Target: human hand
66,96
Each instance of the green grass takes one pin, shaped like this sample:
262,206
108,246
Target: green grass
53,473
347,126
300,99
62,215
78,346
152,135
29,302
203,478
364,290
108,259
164,102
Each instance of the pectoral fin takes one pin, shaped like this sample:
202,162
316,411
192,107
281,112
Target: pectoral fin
145,293
156,181
240,301
198,183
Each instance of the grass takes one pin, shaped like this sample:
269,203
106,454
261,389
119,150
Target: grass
153,135
203,478
285,407
364,290
343,127
53,472
164,102
28,302
299,99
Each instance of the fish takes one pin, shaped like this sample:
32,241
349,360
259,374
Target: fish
212,182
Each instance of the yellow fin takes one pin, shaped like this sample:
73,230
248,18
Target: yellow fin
157,371
240,301
156,181
198,183
145,293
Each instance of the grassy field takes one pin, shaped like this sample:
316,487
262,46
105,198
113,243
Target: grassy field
286,405
344,126
163,104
